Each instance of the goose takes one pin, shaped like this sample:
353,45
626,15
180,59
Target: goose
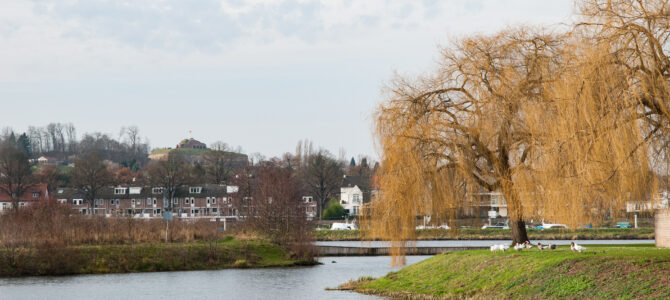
541,247
576,248
528,245
519,247
496,248
552,246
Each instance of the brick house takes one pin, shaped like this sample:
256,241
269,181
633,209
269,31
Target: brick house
207,200
36,193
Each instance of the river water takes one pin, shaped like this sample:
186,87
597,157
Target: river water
270,283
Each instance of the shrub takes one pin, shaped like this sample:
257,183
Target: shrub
334,211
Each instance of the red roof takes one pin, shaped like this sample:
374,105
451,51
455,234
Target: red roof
39,190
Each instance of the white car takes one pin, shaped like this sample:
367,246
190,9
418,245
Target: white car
443,226
496,226
343,226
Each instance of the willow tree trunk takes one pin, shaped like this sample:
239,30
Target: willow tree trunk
515,213
519,234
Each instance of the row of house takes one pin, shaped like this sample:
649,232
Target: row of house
208,200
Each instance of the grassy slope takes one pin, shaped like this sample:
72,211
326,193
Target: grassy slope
228,253
501,234
601,272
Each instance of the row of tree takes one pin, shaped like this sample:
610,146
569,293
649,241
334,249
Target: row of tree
60,141
315,172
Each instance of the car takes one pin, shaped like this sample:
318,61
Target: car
343,226
552,226
499,225
443,226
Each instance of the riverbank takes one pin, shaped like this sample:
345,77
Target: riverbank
638,271
646,233
144,257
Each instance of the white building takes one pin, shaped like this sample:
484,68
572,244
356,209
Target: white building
351,195
661,201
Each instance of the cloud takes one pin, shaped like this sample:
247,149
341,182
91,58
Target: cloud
212,25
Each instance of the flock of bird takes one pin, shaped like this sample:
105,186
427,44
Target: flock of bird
527,245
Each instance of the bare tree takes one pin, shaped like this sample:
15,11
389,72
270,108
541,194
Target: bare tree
15,174
170,174
90,176
321,176
278,209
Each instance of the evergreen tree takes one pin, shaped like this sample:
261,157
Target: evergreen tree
352,163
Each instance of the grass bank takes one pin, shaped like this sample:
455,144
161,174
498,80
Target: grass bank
504,234
144,257
602,272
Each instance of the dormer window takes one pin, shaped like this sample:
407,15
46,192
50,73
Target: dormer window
119,191
195,190
60,191
36,194
157,190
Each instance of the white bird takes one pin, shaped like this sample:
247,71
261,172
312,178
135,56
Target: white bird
541,247
519,247
528,245
576,248
496,248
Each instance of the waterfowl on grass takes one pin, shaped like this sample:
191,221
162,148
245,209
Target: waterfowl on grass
541,247
552,246
528,245
519,247
496,248
576,248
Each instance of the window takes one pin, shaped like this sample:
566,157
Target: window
4,205
192,200
185,201
154,201
111,202
148,201
135,190
195,190
213,200
119,191
175,201
77,201
214,209
117,201
208,200
22,204
60,191
307,199
157,190
36,194
357,198
132,201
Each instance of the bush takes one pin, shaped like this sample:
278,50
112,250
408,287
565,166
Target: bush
334,211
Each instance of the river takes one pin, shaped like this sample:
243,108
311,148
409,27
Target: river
271,283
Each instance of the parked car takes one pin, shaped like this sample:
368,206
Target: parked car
343,226
623,225
496,226
443,226
552,226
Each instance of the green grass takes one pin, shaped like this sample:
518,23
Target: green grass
503,234
602,272
148,257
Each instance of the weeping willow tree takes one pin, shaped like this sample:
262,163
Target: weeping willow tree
537,117
634,36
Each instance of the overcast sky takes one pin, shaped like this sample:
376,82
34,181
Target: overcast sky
258,74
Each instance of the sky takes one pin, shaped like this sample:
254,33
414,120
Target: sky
261,75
